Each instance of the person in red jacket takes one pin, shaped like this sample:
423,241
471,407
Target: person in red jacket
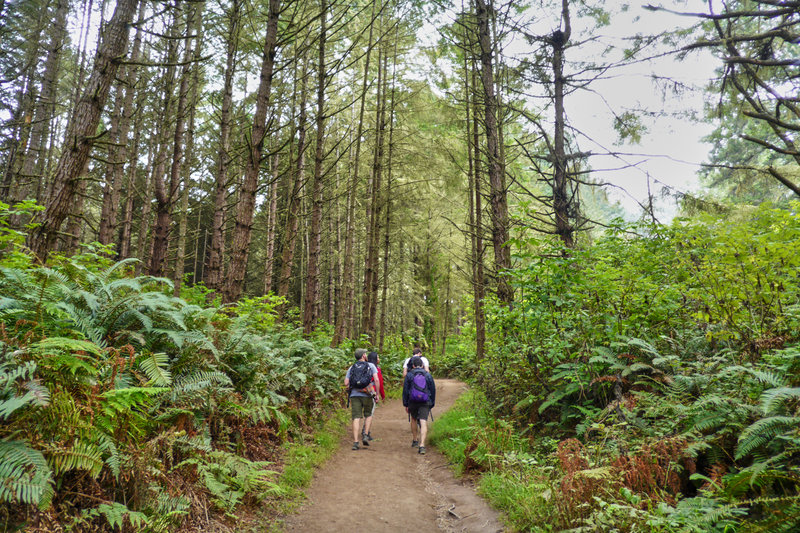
372,357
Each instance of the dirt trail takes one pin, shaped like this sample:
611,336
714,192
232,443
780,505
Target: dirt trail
389,487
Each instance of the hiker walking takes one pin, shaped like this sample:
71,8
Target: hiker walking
416,352
362,384
419,397
373,359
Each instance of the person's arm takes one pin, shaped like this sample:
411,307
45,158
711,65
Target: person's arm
432,388
347,378
426,364
405,368
405,392
375,385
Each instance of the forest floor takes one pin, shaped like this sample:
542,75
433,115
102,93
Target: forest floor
389,487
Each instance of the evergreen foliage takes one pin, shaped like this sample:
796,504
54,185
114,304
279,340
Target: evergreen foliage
110,386
671,354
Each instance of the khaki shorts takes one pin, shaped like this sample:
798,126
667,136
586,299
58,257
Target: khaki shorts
361,406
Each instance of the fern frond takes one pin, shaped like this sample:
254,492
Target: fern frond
82,456
11,373
773,400
644,346
107,445
766,377
24,475
54,345
199,381
115,514
155,365
125,400
116,267
763,431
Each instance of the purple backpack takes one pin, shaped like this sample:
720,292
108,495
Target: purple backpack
419,389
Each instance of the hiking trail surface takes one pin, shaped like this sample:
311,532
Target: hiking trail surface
389,487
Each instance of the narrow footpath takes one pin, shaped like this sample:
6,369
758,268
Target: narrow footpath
389,487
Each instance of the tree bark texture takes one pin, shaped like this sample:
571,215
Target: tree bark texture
312,295
167,191
118,149
247,198
499,204
290,233
563,200
82,129
214,272
345,316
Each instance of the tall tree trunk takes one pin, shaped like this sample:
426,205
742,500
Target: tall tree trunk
371,201
347,302
81,132
480,316
14,146
562,203
33,168
272,224
371,282
126,228
167,193
500,235
145,222
295,191
388,206
186,167
247,198
118,148
214,273
75,222
315,233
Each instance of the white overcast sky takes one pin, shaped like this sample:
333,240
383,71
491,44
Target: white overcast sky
671,151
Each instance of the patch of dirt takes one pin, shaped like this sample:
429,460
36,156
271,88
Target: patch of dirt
389,487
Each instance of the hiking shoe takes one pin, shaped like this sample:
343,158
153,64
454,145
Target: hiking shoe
355,446
366,436
414,443
364,441
422,450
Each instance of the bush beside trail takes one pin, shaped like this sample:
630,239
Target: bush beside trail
646,383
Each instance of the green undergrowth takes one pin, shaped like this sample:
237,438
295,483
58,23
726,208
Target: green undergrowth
301,459
511,475
126,408
304,457
646,383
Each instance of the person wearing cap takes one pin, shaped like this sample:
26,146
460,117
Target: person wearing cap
418,411
361,400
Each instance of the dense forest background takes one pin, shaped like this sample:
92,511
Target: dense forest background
205,206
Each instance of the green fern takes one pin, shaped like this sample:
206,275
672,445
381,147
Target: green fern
762,432
10,400
115,514
82,455
155,365
782,515
774,400
25,476
117,401
199,381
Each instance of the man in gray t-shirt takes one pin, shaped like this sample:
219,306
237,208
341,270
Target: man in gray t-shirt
362,398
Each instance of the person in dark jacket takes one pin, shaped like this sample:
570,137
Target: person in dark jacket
418,410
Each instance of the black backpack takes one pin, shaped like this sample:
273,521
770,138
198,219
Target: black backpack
360,375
